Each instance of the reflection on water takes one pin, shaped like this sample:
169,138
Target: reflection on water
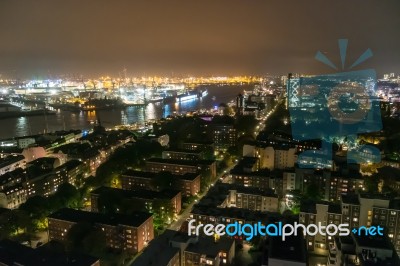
84,120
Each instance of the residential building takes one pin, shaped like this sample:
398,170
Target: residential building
224,136
389,219
181,167
12,196
292,251
181,154
188,184
363,250
198,145
129,233
324,212
179,249
146,196
11,162
13,253
252,199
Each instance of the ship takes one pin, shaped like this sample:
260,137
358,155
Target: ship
186,97
8,110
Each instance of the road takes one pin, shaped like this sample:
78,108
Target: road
176,225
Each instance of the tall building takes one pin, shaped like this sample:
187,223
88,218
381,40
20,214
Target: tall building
389,219
224,136
324,212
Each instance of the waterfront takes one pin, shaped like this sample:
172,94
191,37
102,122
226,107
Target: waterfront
15,127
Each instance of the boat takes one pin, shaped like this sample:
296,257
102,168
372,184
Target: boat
186,97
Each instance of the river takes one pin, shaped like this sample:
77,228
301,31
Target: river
16,127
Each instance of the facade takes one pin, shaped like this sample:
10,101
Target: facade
252,199
389,218
188,184
224,136
11,162
193,146
12,178
340,184
181,154
351,210
181,167
13,196
125,233
362,250
288,182
179,249
70,171
43,185
260,180
280,156
145,196
324,212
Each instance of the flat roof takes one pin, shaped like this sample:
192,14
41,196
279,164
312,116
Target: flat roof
183,151
150,175
139,193
350,199
135,219
10,159
292,249
377,241
152,255
210,247
181,162
13,253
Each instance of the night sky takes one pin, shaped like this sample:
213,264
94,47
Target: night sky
207,37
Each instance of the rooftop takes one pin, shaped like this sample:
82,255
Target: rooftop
350,199
183,151
210,247
135,219
181,162
152,255
292,249
377,241
140,193
10,160
13,253
150,175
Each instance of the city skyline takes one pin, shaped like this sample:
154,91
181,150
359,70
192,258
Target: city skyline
42,38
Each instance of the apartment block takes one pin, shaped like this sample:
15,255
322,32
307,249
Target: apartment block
181,167
146,196
181,154
129,233
188,184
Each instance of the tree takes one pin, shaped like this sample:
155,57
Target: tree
67,196
312,192
37,207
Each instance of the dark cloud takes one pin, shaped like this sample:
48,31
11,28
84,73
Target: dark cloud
193,37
